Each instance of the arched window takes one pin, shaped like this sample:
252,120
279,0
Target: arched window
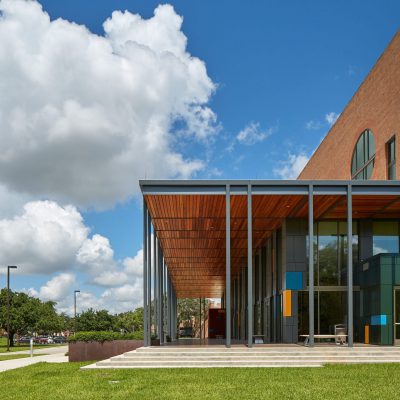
363,160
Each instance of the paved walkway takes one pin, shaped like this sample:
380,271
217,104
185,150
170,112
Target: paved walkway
51,355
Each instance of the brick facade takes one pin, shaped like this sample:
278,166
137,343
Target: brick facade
375,105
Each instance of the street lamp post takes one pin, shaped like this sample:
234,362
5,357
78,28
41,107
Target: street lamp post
75,292
8,305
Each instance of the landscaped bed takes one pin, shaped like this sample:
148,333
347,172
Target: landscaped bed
93,346
66,381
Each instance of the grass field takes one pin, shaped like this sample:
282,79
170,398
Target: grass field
66,381
16,347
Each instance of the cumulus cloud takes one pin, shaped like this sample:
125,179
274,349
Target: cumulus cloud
291,168
44,238
331,118
57,288
47,238
252,134
313,125
85,116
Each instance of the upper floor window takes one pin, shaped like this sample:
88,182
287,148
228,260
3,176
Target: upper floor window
363,160
391,158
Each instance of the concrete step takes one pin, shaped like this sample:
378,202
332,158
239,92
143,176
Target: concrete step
290,356
269,354
255,358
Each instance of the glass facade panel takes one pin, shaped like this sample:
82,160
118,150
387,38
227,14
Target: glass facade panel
362,163
391,159
385,237
328,253
332,311
331,258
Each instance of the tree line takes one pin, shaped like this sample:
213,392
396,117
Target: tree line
30,315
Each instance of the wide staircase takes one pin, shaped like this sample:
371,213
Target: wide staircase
240,356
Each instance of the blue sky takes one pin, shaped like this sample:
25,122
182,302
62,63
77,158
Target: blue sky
282,73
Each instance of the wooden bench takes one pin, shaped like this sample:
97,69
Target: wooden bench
339,338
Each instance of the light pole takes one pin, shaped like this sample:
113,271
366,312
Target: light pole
8,304
75,292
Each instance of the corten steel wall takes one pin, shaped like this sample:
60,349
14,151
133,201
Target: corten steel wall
95,351
376,105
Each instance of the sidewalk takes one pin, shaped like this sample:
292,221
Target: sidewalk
53,355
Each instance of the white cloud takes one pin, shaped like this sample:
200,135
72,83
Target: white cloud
252,134
57,288
331,118
85,116
134,265
313,125
55,239
44,238
291,168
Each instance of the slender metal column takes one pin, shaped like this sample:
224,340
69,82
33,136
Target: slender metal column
169,305
149,273
163,300
349,266
228,266
311,265
146,339
159,287
249,268
155,294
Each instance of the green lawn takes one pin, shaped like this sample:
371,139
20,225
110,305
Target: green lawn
14,356
67,381
16,347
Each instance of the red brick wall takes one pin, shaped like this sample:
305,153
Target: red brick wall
376,105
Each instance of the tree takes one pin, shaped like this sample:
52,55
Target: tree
131,321
25,312
49,320
91,320
189,313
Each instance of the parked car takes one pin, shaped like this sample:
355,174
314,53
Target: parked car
59,339
44,340
23,339
186,332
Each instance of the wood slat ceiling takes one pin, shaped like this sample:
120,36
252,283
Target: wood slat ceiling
191,230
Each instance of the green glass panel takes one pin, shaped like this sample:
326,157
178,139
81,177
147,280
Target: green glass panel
360,152
332,310
392,151
385,237
371,145
392,172
368,170
328,253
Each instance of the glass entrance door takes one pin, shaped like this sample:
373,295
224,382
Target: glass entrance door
397,317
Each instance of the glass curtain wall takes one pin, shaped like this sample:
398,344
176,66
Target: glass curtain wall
330,277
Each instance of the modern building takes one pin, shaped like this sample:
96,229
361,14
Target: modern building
278,252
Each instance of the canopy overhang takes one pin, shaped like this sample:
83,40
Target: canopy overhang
189,220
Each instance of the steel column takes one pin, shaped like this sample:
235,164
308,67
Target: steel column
228,266
149,274
159,287
349,266
249,268
311,265
145,333
155,295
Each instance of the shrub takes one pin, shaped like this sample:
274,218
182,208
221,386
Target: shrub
104,336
